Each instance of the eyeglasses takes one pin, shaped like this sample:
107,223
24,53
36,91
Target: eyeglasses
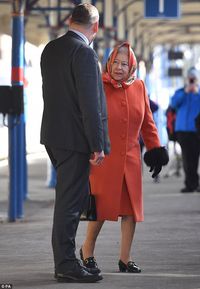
123,64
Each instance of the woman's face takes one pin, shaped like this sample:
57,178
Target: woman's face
120,67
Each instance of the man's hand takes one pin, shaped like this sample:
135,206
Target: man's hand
97,158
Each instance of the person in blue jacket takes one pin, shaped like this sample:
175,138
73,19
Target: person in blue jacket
186,102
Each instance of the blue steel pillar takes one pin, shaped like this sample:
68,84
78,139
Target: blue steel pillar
25,169
17,159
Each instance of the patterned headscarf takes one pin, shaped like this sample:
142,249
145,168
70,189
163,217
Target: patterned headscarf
132,67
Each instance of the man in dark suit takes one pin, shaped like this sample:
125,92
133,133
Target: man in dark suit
74,132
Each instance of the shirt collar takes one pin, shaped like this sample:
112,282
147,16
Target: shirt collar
81,35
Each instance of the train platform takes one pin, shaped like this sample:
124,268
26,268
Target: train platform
166,245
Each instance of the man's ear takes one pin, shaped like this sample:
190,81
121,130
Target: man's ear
95,27
69,20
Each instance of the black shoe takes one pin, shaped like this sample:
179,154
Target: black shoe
89,270
198,189
131,267
90,263
187,190
77,274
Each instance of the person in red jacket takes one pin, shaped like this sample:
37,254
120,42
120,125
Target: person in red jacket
117,183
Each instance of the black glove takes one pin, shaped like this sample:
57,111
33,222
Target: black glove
156,170
155,159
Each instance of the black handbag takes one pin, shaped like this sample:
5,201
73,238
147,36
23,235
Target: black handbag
89,213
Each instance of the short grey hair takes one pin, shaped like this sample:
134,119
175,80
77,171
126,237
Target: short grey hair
85,14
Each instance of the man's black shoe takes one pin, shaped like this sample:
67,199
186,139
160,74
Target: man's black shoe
187,190
77,274
83,277
89,270
198,190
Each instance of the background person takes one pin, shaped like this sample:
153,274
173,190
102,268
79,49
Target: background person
117,184
74,126
186,102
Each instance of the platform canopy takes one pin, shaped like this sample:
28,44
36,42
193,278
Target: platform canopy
49,16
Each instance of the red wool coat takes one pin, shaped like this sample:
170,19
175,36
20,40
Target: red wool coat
128,115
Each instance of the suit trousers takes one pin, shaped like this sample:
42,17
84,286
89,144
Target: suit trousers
190,146
72,190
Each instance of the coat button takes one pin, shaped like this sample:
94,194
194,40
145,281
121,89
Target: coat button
122,153
123,136
125,120
123,103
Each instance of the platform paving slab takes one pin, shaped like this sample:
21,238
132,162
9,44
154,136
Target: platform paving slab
166,245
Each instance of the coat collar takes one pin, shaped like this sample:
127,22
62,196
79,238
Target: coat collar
81,35
77,36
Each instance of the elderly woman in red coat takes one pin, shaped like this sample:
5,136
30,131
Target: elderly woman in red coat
117,182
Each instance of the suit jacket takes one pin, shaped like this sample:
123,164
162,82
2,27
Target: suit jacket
75,114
